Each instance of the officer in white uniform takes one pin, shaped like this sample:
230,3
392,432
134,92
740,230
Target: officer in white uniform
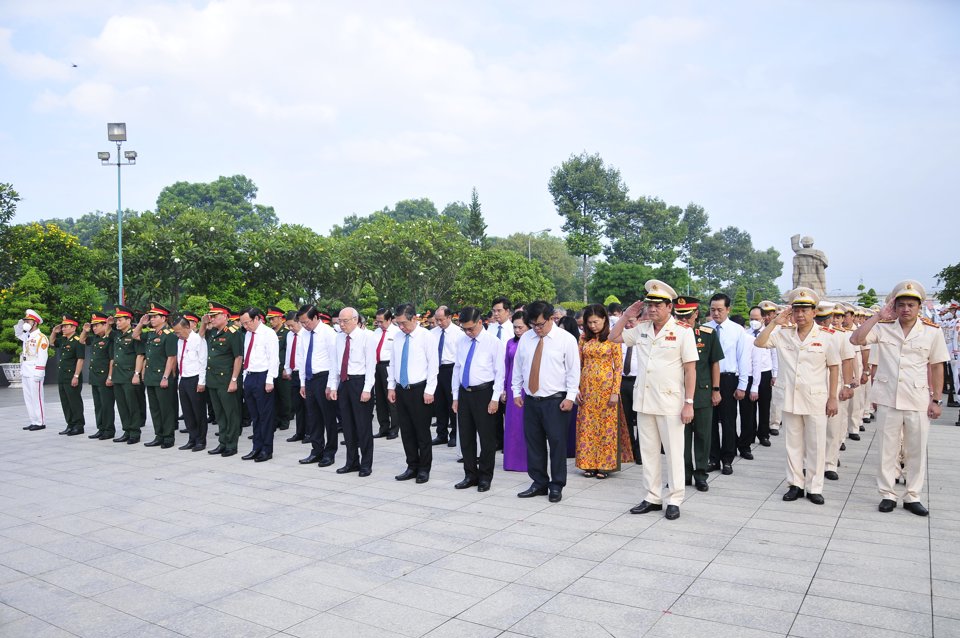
33,366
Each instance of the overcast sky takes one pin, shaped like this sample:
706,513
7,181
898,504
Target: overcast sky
836,119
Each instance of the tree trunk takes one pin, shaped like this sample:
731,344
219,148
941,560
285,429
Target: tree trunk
584,279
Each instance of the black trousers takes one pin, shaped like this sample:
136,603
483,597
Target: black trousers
194,406
724,448
473,421
443,403
765,393
948,379
544,422
413,416
626,399
321,425
298,407
386,411
261,406
357,421
748,420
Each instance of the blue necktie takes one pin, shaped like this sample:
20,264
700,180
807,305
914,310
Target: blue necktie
404,356
465,382
499,330
309,369
443,334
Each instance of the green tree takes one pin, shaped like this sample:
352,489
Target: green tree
949,277
489,273
611,299
866,298
290,261
551,252
727,259
9,199
645,231
739,306
26,293
586,192
367,301
233,196
622,279
88,225
476,228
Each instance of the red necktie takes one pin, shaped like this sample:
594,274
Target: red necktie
183,351
383,335
293,352
346,361
246,358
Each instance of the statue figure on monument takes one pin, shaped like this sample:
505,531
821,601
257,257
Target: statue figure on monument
809,265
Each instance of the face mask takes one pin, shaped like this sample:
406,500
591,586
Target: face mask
755,324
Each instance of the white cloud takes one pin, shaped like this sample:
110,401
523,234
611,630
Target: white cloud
33,66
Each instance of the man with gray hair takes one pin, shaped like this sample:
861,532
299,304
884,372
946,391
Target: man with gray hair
351,386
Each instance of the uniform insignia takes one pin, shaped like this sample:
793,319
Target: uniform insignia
43,346
670,338
886,321
706,329
816,343
928,322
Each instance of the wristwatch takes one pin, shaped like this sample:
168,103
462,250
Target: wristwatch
690,401
716,388
937,401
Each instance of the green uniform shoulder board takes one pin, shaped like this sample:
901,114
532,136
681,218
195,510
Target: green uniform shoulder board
167,331
232,329
706,329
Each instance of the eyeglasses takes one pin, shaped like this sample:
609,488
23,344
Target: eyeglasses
539,325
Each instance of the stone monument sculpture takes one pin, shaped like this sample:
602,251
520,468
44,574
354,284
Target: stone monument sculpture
809,265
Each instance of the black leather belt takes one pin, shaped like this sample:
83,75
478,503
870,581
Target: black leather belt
446,365
730,374
383,363
558,395
413,386
478,388
354,377
632,377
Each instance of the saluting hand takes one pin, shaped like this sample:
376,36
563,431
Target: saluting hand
783,319
887,313
634,310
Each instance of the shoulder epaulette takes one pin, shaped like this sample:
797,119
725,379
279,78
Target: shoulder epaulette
706,329
886,321
929,323
232,329
167,331
683,325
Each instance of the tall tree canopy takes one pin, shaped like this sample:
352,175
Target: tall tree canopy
233,196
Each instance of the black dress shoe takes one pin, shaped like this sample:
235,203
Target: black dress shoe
252,455
854,437
672,513
423,477
67,431
843,447
765,442
262,457
34,428
532,491
713,467
887,505
199,447
122,439
452,442
702,486
793,493
313,458
133,440
379,435
727,469
439,441
830,475
217,450
75,431
183,430
483,486
106,435
28,427
774,432
688,482
363,473
346,469
228,453
95,435
916,508
406,475
555,496
188,446
325,462
746,454
249,437
391,437
460,460
645,507
863,429
153,443
816,499
166,445
465,483
953,404
294,438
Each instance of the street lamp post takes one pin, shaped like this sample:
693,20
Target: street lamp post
530,239
117,132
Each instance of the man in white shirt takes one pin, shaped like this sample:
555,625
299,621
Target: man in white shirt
261,359
192,371
291,371
411,385
351,387
384,335
734,375
547,368
317,351
447,337
501,325
477,383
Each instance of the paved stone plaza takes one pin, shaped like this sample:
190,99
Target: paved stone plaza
101,539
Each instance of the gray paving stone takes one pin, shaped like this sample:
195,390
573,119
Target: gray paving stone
814,627
83,579
304,592
906,622
263,609
389,616
673,626
743,594
34,628
456,628
733,613
507,606
202,622
327,624
604,613
417,596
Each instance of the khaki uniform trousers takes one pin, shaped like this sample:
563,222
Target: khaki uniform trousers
913,426
805,437
654,430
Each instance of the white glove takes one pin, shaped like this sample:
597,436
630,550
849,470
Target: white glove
20,327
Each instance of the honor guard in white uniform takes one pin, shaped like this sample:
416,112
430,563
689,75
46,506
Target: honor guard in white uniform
907,388
827,313
33,366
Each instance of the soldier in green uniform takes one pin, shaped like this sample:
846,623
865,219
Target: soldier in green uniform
64,338
223,370
160,374
100,376
281,386
241,333
697,433
127,364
